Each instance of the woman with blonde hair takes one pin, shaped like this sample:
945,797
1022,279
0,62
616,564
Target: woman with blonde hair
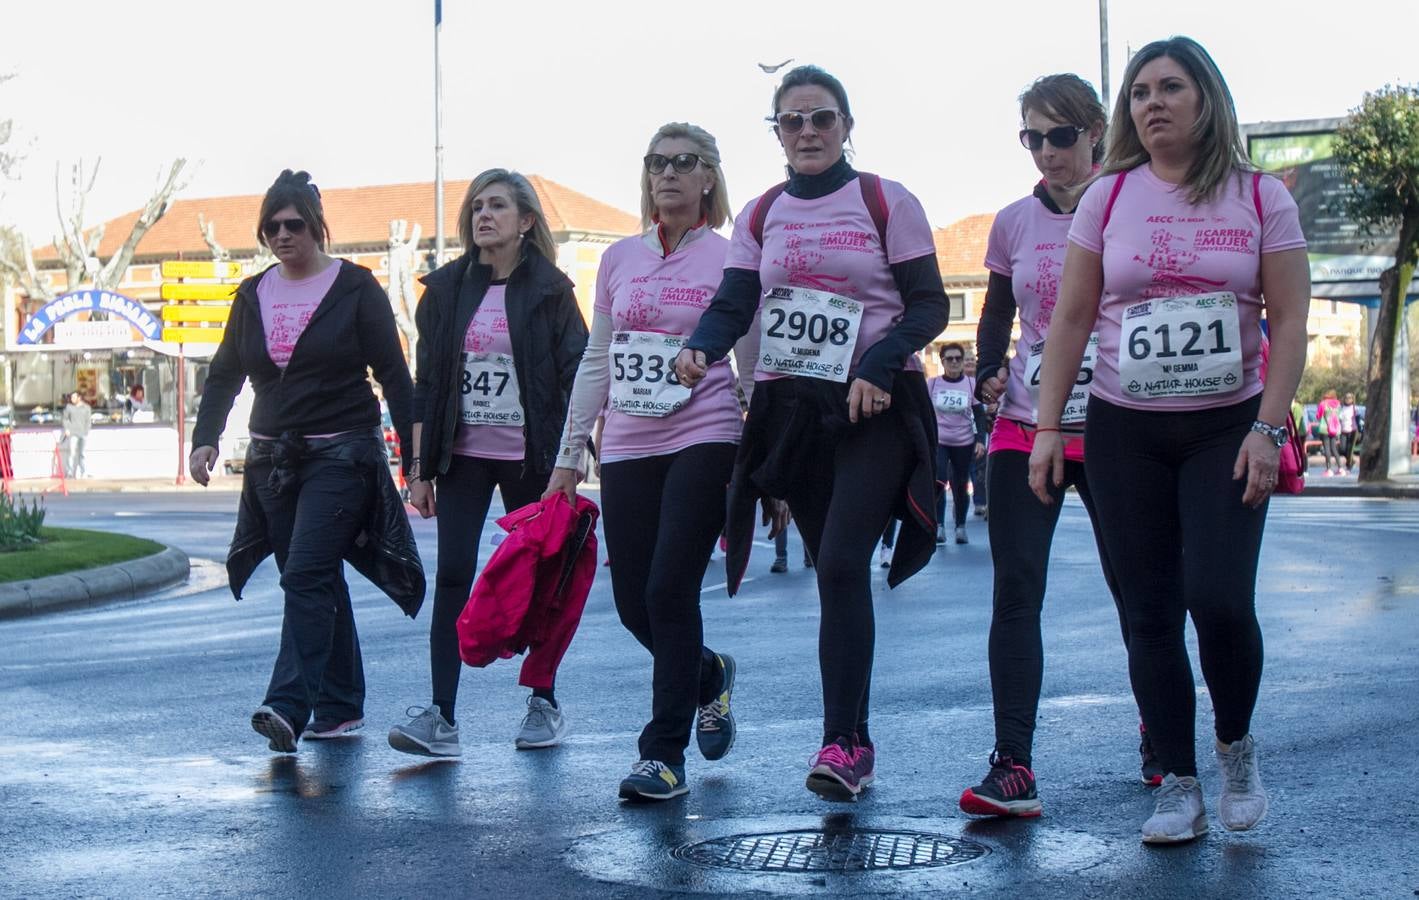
500,336
666,450
1174,254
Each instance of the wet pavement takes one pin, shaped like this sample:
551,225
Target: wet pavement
127,767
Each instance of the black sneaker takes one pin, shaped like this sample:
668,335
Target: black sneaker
1008,790
780,565
1151,769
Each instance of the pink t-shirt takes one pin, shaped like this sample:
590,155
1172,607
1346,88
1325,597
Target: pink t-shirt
643,292
286,307
488,333
1157,245
831,244
952,401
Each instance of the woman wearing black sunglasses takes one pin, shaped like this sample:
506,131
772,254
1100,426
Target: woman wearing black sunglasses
666,451
840,424
1063,128
500,336
316,489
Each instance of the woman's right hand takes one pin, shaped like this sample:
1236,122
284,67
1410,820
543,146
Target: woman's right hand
201,463
993,387
1046,465
563,481
421,497
690,367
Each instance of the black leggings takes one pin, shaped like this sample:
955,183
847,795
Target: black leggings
462,497
1021,531
662,515
842,508
953,464
1328,447
1181,542
1347,448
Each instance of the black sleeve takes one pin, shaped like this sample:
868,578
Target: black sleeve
570,342
225,376
729,316
425,322
997,317
379,336
924,317
982,420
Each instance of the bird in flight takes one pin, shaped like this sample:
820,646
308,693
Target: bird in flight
773,69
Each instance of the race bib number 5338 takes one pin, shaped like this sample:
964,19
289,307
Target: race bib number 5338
643,381
1181,347
807,332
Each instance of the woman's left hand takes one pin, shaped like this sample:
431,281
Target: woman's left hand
866,399
1258,462
980,451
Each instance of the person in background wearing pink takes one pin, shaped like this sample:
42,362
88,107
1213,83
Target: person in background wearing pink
839,270
1350,426
1062,125
500,336
1174,252
960,435
307,331
666,450
1328,411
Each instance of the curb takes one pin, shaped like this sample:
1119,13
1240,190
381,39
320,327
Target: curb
120,581
1388,490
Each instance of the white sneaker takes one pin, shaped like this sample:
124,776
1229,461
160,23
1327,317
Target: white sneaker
961,535
544,725
1244,801
884,557
427,733
1178,813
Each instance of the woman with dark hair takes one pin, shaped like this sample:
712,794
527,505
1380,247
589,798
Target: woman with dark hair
1062,125
1174,253
666,451
500,336
316,488
840,423
960,435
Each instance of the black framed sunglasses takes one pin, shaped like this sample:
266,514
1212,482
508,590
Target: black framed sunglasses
1062,137
952,359
682,163
824,119
272,227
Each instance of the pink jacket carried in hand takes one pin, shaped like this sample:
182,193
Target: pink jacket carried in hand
533,589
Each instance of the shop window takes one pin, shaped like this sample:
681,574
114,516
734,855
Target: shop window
958,307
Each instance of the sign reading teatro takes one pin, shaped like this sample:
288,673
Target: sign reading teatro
90,301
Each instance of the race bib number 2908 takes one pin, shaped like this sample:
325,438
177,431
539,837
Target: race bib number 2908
807,332
1181,347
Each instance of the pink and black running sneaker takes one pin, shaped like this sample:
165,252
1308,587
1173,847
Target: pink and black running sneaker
833,775
1008,790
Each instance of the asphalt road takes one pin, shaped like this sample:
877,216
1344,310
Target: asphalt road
127,767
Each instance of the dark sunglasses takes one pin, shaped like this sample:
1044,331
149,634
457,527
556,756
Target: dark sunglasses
952,358
682,163
1063,137
823,119
272,227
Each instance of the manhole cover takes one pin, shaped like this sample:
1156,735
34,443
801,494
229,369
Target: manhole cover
846,850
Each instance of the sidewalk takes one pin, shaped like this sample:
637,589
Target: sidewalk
1403,487
128,485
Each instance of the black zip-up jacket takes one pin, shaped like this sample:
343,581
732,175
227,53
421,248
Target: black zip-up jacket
325,387
548,335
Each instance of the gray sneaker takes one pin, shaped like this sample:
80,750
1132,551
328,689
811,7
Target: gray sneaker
961,535
544,725
427,733
1178,815
1243,802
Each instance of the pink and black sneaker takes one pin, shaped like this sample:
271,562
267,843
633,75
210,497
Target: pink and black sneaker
1008,790
864,764
833,775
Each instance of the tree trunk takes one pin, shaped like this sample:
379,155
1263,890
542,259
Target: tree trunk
1379,421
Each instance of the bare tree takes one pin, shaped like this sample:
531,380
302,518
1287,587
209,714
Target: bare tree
402,261
209,237
78,245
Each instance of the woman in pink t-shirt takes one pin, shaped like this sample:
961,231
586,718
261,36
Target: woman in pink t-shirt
500,336
666,451
1328,410
1063,126
839,269
1173,255
960,434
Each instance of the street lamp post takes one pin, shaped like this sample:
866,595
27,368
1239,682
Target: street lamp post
1104,52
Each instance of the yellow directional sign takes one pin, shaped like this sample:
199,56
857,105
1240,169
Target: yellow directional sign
182,268
189,291
193,335
190,312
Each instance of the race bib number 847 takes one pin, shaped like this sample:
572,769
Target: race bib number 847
488,390
1181,347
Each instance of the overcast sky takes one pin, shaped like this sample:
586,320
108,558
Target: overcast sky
572,91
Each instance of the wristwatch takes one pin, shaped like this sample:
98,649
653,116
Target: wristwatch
1277,433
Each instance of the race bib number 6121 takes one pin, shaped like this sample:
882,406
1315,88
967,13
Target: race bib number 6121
1181,347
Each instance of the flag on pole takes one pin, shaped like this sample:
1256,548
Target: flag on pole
438,13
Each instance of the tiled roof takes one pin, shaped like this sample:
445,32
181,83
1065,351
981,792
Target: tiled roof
357,216
960,246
